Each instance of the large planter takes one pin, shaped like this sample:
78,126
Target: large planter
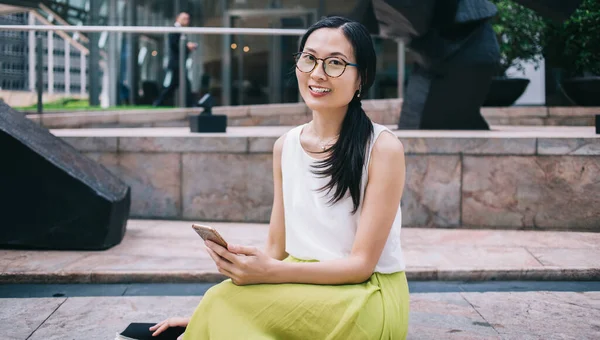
584,91
505,91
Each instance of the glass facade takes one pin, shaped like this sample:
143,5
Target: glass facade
236,69
13,64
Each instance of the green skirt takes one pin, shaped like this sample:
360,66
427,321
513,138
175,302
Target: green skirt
375,309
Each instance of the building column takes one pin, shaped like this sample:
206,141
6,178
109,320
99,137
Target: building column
226,61
67,67
113,57
94,57
132,51
401,65
82,73
275,87
198,55
31,45
50,63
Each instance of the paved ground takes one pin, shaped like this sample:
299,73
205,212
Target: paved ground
458,315
170,251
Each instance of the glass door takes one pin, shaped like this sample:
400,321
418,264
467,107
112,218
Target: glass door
259,69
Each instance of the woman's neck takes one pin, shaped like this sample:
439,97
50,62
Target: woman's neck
328,124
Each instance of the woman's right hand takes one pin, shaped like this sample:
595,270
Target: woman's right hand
170,322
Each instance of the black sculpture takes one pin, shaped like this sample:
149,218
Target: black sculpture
457,53
206,121
52,196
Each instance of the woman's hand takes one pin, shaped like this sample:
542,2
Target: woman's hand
244,265
170,322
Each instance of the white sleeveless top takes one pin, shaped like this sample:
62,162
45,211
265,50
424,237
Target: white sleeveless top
317,230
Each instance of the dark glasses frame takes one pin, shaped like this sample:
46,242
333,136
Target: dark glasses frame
297,56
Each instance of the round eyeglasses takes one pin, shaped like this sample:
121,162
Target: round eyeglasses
333,66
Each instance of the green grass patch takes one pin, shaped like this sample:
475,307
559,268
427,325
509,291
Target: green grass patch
72,104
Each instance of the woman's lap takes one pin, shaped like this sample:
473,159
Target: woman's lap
375,309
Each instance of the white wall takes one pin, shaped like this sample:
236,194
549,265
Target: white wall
535,94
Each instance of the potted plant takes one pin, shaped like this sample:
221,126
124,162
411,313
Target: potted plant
519,32
572,49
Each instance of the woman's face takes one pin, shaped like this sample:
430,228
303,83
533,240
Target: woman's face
319,90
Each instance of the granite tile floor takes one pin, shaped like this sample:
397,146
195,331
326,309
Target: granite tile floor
455,315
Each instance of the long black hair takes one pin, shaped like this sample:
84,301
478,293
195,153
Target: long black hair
347,156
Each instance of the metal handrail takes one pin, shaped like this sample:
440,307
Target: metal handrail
61,21
62,34
155,29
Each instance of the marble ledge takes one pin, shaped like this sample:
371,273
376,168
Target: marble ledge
76,120
183,144
512,112
537,274
573,111
415,274
568,146
44,277
93,144
260,139
244,144
157,277
152,116
278,109
111,277
469,146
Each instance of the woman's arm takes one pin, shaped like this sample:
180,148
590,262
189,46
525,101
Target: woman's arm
380,205
275,247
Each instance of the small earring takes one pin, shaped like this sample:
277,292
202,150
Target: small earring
359,90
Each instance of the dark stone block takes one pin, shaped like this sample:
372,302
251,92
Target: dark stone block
52,196
583,90
208,123
505,91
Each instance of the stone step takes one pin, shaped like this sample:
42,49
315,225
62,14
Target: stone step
156,251
382,111
542,178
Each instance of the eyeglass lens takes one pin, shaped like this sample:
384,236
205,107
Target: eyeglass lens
334,67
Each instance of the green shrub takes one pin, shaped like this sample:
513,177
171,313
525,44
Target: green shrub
520,35
574,45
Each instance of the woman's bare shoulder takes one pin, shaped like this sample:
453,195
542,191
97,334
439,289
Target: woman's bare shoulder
388,145
278,146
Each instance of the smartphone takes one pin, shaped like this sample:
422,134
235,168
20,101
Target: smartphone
209,233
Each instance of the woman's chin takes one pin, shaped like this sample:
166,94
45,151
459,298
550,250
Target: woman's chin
318,105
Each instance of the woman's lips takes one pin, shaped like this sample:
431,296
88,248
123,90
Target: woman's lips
319,91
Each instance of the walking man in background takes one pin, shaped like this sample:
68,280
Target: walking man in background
171,81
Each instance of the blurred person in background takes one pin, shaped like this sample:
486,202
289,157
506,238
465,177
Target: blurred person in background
171,81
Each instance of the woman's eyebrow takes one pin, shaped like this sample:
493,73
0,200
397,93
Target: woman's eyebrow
330,54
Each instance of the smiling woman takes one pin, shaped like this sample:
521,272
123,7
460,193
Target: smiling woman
333,266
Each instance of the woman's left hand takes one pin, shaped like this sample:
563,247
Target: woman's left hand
244,265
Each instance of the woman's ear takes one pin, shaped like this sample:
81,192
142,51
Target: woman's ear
359,83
